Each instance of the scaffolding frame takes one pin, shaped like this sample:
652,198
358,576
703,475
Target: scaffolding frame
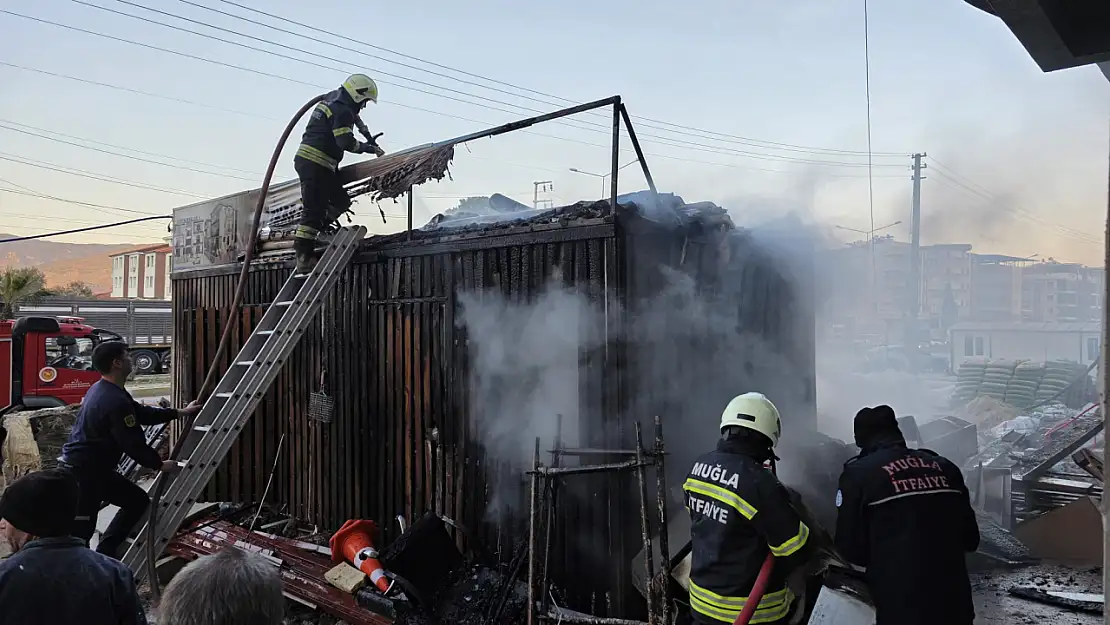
542,502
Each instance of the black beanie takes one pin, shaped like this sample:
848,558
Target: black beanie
43,504
876,424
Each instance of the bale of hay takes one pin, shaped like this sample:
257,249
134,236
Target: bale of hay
986,412
53,426
21,452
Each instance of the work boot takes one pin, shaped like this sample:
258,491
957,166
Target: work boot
306,255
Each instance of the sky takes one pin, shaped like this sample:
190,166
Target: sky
760,107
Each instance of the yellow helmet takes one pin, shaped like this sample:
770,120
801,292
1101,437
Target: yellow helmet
361,88
753,411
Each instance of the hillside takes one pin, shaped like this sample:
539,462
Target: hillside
64,262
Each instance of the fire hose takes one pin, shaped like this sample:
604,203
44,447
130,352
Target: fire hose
761,582
211,378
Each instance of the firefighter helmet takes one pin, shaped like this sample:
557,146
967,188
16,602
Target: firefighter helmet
361,88
755,412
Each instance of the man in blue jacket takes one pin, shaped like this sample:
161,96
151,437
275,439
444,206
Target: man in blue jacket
109,424
52,577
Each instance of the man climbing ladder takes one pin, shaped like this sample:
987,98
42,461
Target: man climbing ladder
327,136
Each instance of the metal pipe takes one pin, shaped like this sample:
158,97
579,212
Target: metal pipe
524,123
616,154
593,468
645,524
532,535
636,146
551,491
585,619
664,539
596,451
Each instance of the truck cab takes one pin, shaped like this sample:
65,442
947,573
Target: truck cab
46,361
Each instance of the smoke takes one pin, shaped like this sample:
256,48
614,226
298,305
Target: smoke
699,332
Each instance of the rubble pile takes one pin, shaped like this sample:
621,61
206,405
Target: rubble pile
1024,383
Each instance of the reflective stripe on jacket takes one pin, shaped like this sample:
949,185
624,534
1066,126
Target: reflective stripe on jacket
329,132
739,512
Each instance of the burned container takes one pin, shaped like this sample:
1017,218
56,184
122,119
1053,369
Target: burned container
447,347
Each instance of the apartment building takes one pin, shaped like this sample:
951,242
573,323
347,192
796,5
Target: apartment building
996,287
946,290
1053,291
142,273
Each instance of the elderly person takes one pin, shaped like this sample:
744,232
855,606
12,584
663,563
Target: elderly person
52,577
232,587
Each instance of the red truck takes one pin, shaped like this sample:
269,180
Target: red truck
47,361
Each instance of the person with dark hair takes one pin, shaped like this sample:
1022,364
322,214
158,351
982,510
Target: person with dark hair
108,425
52,577
231,587
904,517
740,512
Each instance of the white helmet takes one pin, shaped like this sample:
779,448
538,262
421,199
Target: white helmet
361,88
753,411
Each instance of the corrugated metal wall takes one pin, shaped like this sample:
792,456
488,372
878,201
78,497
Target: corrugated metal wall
392,355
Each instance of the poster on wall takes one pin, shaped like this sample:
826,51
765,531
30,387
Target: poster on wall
215,232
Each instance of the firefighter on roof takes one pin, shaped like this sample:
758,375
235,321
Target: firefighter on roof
330,133
904,516
740,511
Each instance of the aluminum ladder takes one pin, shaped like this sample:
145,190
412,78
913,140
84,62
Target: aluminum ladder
242,387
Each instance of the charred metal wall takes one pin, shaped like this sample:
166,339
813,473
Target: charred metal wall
388,348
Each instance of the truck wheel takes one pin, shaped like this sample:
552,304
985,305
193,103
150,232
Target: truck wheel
145,361
167,361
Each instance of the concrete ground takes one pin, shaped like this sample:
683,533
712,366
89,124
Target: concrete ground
993,606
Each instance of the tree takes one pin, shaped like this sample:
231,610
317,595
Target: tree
73,289
20,285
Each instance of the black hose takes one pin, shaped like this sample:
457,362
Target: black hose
225,339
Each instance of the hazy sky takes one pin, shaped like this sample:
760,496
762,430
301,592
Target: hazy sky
1017,158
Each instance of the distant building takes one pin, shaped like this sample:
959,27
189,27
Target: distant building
1052,291
142,273
945,285
1077,342
996,287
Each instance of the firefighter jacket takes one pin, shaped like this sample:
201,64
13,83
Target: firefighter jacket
905,516
739,511
330,131
109,424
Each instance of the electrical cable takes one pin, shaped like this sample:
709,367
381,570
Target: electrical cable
122,155
595,127
624,149
92,176
333,35
76,202
88,229
123,147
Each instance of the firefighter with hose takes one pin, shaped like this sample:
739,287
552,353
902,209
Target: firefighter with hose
742,516
330,133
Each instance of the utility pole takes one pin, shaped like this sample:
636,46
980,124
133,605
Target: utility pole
545,186
915,249
1104,388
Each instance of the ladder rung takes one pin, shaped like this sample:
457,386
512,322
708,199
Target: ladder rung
285,303
264,332
225,395
246,363
202,428
301,275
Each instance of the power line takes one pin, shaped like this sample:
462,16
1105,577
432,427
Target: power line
59,233
76,202
994,203
137,151
122,155
595,127
736,138
86,174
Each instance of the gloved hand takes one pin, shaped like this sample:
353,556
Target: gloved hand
378,151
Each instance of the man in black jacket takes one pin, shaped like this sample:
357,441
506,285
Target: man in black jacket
740,512
109,424
328,135
905,517
52,577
